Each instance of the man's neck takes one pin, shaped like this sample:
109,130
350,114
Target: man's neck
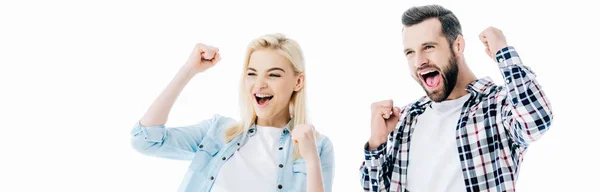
464,78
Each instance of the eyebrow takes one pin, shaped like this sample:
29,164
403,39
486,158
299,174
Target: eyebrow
426,43
272,69
429,43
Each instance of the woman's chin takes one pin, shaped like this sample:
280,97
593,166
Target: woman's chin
262,113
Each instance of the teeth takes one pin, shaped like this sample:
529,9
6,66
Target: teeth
263,95
427,72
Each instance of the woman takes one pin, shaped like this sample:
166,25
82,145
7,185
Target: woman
272,148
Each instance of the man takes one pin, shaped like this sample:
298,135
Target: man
467,134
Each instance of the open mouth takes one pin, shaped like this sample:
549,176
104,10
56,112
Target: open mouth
262,99
430,77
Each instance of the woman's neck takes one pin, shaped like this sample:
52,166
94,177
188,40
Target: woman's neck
279,120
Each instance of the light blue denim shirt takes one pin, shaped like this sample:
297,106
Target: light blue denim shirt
203,144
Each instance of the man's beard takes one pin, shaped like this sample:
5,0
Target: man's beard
448,77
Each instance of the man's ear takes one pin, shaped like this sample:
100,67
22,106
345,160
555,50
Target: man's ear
458,47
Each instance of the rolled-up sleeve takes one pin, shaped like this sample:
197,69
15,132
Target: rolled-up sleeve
150,133
178,143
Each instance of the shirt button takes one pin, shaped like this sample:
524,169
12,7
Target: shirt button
508,81
238,144
280,165
501,59
212,178
201,146
280,148
279,186
223,158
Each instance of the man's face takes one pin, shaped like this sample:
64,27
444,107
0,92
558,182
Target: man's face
431,60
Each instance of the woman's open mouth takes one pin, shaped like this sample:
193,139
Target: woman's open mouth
262,99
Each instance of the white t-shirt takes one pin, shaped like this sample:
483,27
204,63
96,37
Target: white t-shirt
254,166
434,164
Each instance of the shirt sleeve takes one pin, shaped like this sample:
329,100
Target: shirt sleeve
526,110
180,143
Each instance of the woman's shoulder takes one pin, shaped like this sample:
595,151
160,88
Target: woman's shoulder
324,143
219,123
222,120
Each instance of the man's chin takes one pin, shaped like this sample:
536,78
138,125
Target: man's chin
436,95
437,98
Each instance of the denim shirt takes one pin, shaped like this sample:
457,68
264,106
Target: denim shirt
203,144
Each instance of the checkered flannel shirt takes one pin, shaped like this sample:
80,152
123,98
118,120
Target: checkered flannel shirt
495,128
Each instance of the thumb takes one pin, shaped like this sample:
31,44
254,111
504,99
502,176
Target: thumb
395,115
208,55
396,112
217,58
294,138
393,120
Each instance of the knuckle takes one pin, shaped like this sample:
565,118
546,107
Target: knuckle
386,104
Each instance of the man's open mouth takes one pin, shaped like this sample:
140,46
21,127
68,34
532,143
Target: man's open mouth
430,77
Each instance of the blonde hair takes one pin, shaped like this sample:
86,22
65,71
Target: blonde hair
291,50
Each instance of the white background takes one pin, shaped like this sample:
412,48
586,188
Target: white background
76,75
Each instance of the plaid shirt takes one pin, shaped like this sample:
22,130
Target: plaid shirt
495,128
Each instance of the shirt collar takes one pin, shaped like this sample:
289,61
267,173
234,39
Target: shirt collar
481,86
286,129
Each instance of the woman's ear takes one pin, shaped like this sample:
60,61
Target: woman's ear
299,82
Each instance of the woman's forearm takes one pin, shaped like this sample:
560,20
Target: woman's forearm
314,178
158,112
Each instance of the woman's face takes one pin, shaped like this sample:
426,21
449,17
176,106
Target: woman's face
270,81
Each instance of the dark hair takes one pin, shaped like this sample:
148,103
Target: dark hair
450,25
